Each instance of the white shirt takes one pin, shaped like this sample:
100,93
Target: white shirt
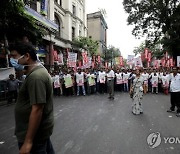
80,78
110,75
154,78
102,77
125,77
175,83
145,76
165,79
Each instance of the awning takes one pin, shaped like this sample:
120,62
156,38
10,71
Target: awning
40,18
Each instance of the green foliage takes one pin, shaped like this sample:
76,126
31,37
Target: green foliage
155,19
87,43
111,53
15,23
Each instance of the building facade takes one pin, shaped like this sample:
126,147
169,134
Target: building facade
97,30
69,17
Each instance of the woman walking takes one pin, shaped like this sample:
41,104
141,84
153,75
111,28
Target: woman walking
137,93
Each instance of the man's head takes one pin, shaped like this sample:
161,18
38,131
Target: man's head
175,70
11,76
23,53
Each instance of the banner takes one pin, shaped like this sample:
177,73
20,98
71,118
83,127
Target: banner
44,7
89,63
72,58
60,59
178,61
156,63
138,62
130,59
68,82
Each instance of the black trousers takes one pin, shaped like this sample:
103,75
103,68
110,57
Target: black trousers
12,95
175,101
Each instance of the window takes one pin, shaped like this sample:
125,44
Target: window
73,33
59,26
79,32
74,9
33,4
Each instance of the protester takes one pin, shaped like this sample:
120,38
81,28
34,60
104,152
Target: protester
145,75
154,82
68,83
80,76
175,92
137,90
165,82
110,82
91,84
125,80
12,87
34,119
102,81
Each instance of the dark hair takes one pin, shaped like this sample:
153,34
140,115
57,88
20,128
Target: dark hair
22,48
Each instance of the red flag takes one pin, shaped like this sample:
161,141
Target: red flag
106,65
93,64
146,53
149,56
99,59
85,58
163,62
166,55
79,64
121,61
94,59
55,54
148,64
171,62
142,56
167,63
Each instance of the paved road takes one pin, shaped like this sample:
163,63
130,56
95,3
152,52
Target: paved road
95,125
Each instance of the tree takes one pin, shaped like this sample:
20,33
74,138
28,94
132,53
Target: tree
15,23
157,19
110,53
86,43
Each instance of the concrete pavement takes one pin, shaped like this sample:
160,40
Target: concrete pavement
95,125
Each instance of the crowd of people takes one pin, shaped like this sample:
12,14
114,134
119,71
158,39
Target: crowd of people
68,82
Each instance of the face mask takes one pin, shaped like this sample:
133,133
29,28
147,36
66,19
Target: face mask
14,63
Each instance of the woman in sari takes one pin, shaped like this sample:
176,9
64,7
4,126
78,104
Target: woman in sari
137,90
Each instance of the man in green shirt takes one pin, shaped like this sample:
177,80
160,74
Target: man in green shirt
34,108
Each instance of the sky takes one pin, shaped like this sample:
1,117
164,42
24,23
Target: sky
119,33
